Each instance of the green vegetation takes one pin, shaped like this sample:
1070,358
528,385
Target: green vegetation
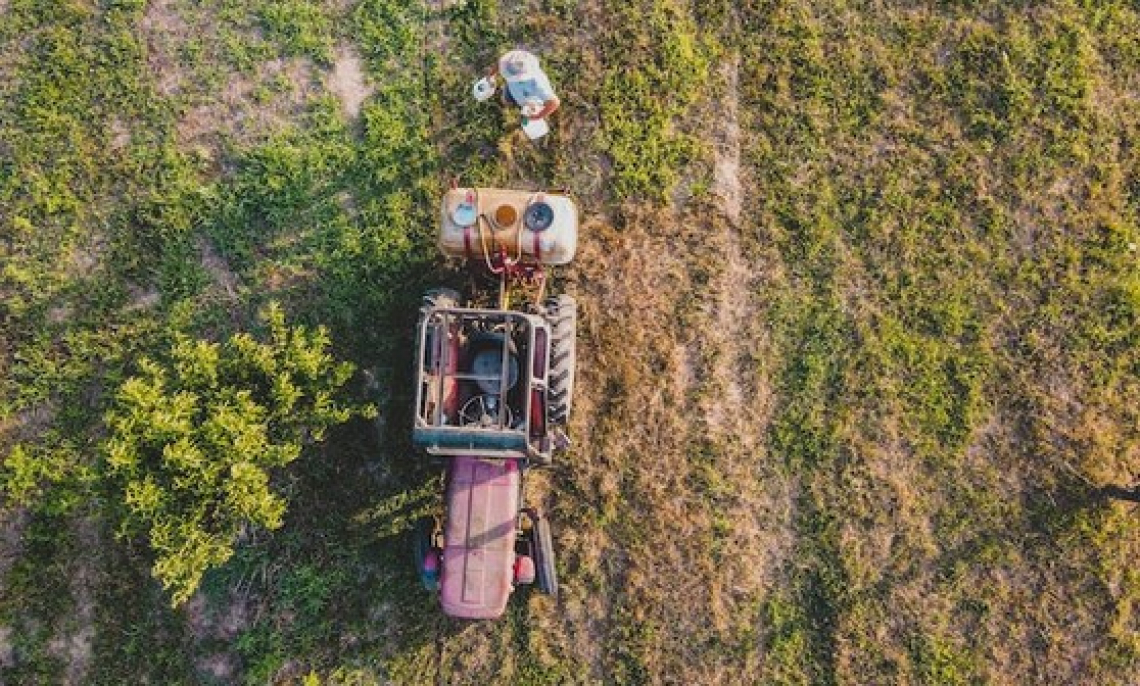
663,63
860,339
195,441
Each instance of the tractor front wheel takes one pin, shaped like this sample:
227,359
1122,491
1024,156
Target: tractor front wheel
426,555
546,576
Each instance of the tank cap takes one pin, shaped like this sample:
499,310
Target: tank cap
538,216
464,214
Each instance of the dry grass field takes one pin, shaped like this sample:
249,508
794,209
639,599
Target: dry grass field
859,335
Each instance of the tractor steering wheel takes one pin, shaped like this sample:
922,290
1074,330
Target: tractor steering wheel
483,411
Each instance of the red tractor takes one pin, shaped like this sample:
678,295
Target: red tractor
493,394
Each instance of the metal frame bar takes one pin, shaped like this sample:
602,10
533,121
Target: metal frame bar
432,363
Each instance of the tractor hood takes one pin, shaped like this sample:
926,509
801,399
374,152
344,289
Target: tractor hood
479,541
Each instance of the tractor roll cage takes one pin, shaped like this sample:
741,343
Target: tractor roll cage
518,428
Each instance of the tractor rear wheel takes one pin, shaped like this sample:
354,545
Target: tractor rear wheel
546,576
562,313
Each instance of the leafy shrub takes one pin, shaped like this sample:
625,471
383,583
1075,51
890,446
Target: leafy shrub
29,472
194,440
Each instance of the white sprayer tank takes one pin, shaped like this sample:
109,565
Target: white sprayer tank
537,228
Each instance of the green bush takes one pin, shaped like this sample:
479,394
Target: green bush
194,440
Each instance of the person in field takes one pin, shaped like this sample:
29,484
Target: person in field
528,87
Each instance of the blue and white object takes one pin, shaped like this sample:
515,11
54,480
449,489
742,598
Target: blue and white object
483,89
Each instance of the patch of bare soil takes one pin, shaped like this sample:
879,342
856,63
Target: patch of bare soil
12,524
119,134
218,268
7,649
27,424
436,38
85,259
144,299
251,106
74,645
163,28
734,308
748,495
346,81
60,314
247,107
223,622
221,667
213,624
726,167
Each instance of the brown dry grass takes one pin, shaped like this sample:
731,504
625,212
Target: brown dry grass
684,521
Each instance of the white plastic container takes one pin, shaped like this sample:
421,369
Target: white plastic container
535,128
483,89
